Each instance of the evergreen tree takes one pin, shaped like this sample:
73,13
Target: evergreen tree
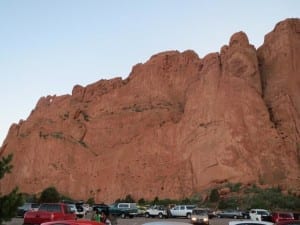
10,202
50,194
214,195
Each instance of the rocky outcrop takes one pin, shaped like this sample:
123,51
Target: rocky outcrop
176,126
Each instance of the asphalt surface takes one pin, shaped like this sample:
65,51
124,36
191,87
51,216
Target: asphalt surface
140,221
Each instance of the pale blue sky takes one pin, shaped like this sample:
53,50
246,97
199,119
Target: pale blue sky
48,46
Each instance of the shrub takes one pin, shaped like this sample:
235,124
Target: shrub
49,195
10,202
141,201
230,203
90,201
234,187
128,199
214,195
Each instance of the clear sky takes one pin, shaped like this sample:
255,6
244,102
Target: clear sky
48,46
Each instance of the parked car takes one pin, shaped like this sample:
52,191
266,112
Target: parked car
182,211
230,213
86,208
281,216
73,209
73,222
100,207
296,215
288,222
211,213
260,215
199,216
27,207
123,209
156,211
141,210
165,223
49,212
80,211
246,214
249,222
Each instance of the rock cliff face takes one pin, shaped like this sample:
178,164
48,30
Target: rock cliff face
177,125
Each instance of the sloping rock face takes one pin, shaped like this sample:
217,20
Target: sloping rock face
176,126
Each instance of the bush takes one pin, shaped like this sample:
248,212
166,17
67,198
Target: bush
214,195
10,202
234,187
49,195
90,201
253,197
230,203
128,199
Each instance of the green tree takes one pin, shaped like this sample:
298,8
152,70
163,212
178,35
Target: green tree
10,202
214,195
129,199
155,201
30,197
90,201
49,195
229,203
141,201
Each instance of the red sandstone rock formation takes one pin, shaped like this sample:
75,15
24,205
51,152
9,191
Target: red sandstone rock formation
177,125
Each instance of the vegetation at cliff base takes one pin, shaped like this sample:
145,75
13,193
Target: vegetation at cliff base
10,202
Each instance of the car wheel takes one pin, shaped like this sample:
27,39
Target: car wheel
188,215
123,216
160,215
234,217
147,215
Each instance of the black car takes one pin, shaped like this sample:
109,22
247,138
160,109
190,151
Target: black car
100,208
245,214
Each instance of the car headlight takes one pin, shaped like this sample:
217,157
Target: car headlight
205,219
194,218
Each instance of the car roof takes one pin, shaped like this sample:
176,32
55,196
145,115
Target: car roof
73,222
288,222
197,208
236,222
166,223
285,212
260,209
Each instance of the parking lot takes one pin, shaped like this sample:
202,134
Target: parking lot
139,221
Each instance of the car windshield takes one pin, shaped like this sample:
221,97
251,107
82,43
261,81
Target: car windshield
264,213
199,212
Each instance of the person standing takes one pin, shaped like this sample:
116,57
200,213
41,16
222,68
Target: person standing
98,216
104,218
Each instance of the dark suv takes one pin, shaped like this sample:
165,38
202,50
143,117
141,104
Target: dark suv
100,208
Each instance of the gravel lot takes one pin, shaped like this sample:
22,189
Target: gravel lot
139,221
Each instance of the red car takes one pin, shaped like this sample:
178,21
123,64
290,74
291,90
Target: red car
73,222
49,212
282,216
288,222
